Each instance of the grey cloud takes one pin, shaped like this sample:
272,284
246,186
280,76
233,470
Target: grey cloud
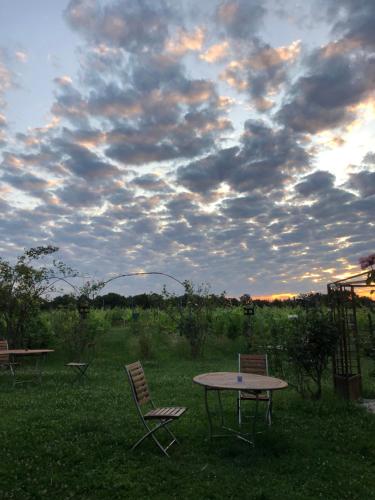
151,182
70,104
267,158
353,19
273,147
364,182
29,183
134,25
323,99
181,203
246,206
203,175
315,183
241,18
84,163
150,71
369,158
267,73
121,196
79,195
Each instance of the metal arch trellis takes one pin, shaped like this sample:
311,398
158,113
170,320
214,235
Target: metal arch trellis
347,376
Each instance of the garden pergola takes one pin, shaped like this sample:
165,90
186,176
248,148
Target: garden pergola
343,301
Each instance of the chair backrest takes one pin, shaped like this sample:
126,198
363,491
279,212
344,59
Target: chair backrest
138,383
253,363
4,358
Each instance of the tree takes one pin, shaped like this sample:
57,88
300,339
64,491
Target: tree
194,314
312,343
22,287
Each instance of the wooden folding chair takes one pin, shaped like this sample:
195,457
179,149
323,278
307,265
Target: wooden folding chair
5,360
257,364
80,367
141,396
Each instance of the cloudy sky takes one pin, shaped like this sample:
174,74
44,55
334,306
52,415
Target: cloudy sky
228,142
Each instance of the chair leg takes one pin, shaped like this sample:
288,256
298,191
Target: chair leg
151,433
172,435
269,411
80,373
239,410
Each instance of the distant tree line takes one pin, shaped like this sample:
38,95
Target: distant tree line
154,300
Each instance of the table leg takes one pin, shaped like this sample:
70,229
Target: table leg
38,370
255,416
221,408
208,413
36,373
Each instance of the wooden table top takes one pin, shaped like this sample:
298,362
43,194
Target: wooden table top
250,381
25,352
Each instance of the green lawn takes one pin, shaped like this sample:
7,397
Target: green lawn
61,441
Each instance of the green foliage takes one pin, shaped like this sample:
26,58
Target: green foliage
313,340
39,333
22,286
116,316
195,317
74,333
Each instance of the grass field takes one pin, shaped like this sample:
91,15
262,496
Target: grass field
60,441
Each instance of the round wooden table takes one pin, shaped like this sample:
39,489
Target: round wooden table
236,381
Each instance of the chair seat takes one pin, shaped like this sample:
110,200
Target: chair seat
253,396
165,413
76,364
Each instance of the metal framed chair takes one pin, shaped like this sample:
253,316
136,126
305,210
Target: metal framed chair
5,359
80,367
163,416
257,364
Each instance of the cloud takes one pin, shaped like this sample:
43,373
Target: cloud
79,194
265,161
133,26
315,183
151,182
185,42
325,98
84,163
21,56
353,20
245,207
216,52
363,181
263,72
241,18
141,166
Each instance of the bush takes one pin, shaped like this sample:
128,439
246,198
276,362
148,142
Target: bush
116,316
74,333
39,333
312,342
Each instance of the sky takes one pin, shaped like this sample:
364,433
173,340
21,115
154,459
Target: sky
223,142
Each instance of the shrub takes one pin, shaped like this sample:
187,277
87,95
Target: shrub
312,342
74,332
39,333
